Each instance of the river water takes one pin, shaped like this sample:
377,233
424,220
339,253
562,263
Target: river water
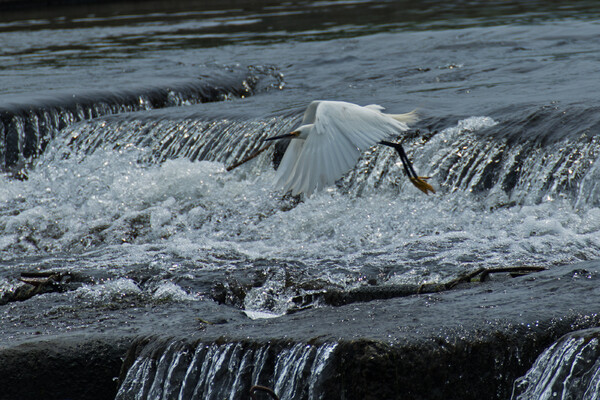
134,196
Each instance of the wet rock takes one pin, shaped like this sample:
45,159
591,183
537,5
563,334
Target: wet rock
335,297
36,283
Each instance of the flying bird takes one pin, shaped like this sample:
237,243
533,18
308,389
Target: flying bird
330,141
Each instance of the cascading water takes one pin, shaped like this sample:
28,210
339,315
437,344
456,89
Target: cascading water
26,129
228,370
569,369
224,140
474,157
131,179
471,157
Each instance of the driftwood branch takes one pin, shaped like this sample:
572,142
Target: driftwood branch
481,274
335,297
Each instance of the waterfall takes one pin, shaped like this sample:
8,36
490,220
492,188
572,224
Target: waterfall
491,159
177,370
27,128
223,140
569,369
458,158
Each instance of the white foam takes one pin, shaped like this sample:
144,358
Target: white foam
171,291
260,314
127,214
111,290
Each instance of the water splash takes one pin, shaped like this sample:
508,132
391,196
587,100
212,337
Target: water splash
119,192
227,371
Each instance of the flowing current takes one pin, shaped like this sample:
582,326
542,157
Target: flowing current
516,184
118,193
117,127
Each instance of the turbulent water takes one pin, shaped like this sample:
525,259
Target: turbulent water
129,188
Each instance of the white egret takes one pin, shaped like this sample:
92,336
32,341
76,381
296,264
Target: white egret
330,140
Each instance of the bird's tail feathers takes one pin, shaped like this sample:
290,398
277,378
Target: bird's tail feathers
408,118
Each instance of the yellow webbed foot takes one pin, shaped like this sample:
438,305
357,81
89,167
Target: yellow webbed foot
421,184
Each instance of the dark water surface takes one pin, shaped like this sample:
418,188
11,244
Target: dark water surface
139,205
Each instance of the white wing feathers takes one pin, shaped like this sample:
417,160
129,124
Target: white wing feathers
311,112
341,132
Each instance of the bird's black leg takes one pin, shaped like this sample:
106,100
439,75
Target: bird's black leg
419,181
403,157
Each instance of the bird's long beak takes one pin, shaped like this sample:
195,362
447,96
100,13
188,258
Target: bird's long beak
286,136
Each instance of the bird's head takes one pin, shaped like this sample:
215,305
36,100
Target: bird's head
300,133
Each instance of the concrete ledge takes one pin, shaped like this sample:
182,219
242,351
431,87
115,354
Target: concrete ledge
71,367
461,344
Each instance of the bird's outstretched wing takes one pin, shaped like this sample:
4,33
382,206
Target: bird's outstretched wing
311,112
341,132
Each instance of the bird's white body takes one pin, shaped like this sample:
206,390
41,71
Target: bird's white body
330,141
